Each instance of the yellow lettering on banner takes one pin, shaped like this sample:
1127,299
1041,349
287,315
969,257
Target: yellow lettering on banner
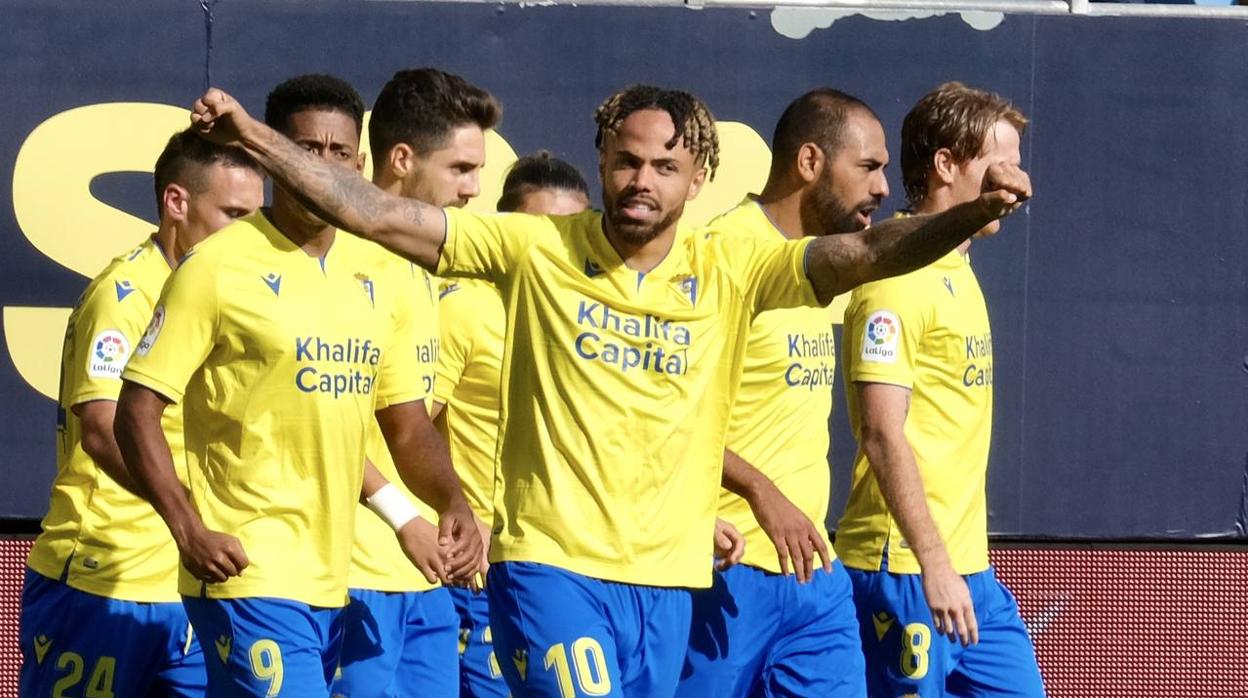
35,338
52,179
54,207
56,212
744,160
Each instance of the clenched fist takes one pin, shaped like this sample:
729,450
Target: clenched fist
219,117
1004,189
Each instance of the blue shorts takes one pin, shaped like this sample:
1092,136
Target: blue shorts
904,655
480,675
558,634
755,633
74,643
398,644
266,647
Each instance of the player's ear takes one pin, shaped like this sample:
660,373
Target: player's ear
175,202
695,183
944,166
360,159
810,162
400,160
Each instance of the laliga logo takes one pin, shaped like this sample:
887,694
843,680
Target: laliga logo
879,343
109,355
108,348
881,330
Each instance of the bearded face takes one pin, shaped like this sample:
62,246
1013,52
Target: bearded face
647,176
638,217
825,209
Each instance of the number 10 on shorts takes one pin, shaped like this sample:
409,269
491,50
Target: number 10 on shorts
584,669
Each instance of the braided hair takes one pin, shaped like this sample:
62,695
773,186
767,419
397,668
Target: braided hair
694,123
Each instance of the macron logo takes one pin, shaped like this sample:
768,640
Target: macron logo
123,289
274,282
592,269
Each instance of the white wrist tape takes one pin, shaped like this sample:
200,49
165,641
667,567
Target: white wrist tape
391,504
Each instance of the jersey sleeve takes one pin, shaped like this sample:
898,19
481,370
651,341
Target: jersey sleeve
456,344
887,325
772,272
182,330
400,377
101,340
486,247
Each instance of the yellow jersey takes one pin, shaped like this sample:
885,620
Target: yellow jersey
279,360
779,423
473,323
377,561
926,331
616,387
103,539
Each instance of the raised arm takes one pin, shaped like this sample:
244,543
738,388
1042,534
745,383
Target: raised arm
838,263
338,195
884,411
209,555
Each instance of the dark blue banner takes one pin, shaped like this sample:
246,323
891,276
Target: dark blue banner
1118,299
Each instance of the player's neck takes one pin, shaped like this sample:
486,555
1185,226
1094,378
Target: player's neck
783,207
310,234
647,255
390,185
166,239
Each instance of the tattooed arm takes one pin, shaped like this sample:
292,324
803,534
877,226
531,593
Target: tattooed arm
838,263
339,195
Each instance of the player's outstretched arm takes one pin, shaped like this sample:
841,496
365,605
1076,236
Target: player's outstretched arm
424,463
208,555
96,418
339,195
884,410
838,263
793,534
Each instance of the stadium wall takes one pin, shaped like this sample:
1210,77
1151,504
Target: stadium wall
1117,298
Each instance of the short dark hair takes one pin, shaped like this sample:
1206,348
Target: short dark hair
540,170
185,158
951,116
694,123
816,117
312,92
421,106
